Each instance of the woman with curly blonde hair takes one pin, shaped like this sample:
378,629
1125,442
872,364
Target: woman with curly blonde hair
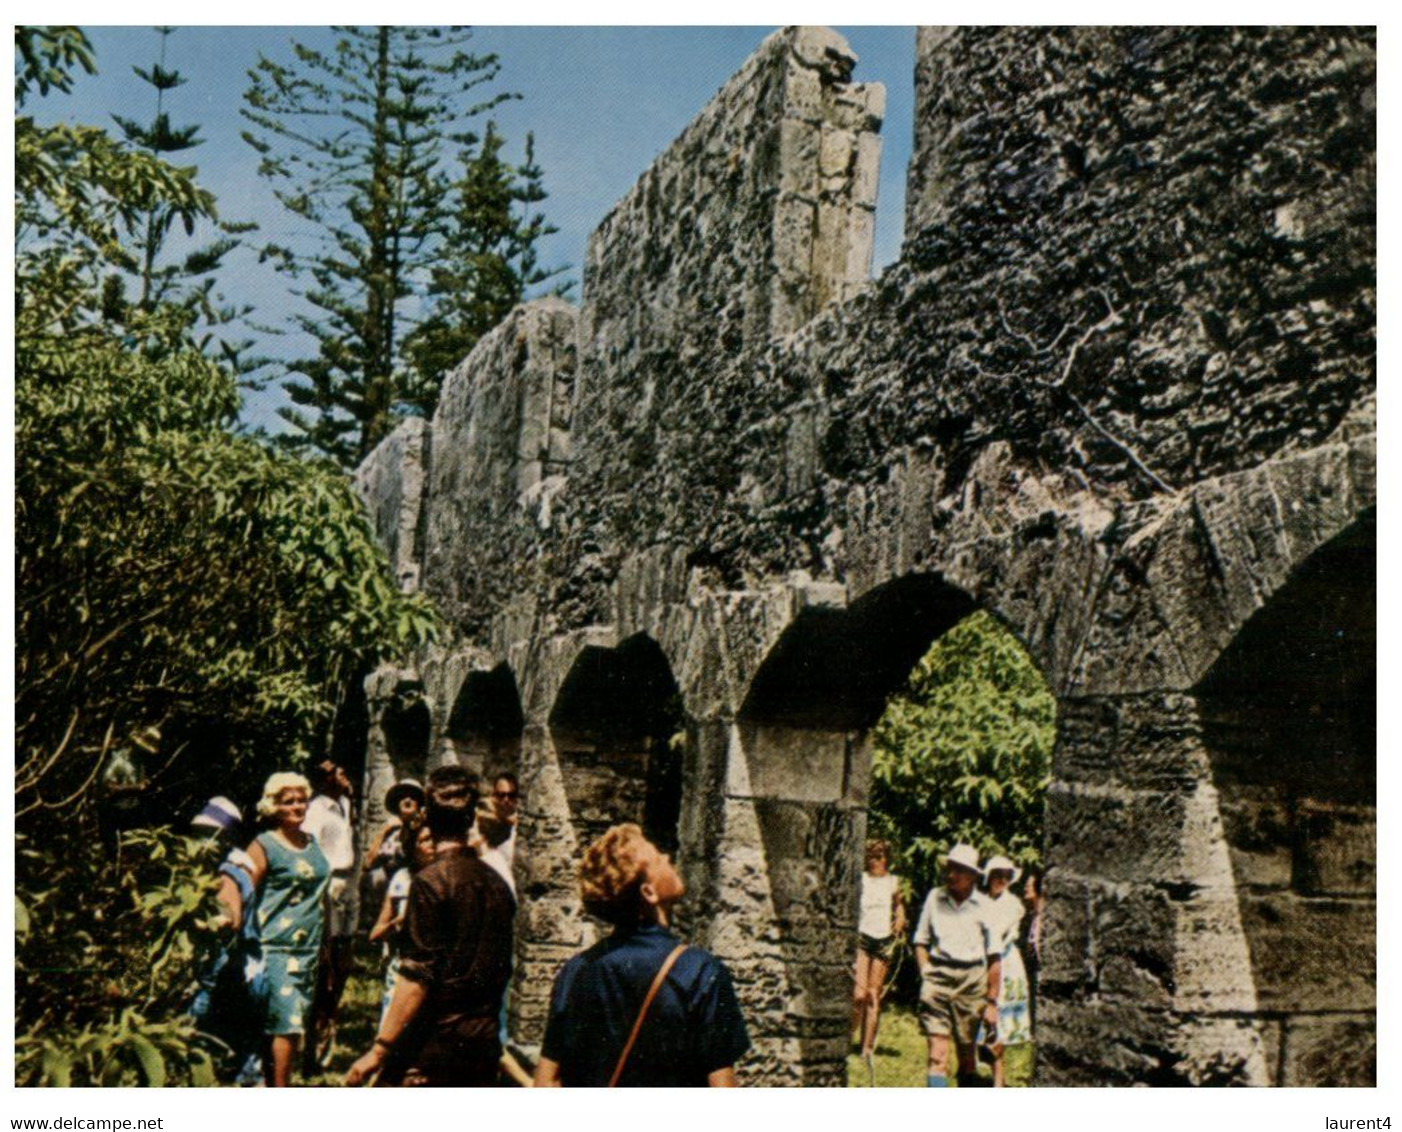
290,873
640,1007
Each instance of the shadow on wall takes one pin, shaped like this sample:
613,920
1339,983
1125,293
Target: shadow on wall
1289,717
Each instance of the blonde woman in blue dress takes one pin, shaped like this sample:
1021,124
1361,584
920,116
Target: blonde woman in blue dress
291,875
1005,913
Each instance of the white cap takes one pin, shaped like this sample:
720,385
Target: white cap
1002,864
965,855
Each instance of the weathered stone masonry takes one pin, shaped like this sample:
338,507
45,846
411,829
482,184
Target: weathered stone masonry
1118,390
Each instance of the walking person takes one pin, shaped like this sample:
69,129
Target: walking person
455,959
329,820
640,1007
960,969
880,926
290,875
1014,1025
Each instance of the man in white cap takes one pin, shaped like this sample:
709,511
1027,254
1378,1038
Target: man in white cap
959,968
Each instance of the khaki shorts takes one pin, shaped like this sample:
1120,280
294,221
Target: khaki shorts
952,1001
342,907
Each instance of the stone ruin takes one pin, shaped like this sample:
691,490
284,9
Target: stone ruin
1118,390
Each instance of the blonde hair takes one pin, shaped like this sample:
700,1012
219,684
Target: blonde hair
611,874
276,784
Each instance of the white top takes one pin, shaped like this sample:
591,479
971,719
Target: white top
508,849
1004,919
496,860
398,892
328,820
958,932
878,905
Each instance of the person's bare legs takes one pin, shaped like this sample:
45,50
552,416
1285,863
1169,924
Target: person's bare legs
861,980
938,1064
876,980
998,1081
284,1054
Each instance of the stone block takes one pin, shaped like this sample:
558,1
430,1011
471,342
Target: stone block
791,764
1311,954
1337,849
1331,1051
1115,834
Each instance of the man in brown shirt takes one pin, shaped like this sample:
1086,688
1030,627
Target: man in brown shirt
441,1026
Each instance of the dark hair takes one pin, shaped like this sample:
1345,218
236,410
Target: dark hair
409,839
320,771
452,798
507,776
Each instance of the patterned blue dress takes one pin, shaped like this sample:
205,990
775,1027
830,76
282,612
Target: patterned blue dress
289,920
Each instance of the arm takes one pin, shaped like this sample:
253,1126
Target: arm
408,998
897,912
260,864
375,846
386,922
547,1074
995,982
232,902
722,1078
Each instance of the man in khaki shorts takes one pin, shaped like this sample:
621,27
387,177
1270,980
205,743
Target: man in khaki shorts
959,968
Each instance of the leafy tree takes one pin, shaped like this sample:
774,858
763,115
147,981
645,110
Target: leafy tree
356,143
489,262
963,753
187,601
188,280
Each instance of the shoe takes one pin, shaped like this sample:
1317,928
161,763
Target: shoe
871,1069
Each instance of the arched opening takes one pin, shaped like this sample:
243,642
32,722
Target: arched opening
1289,718
484,728
407,725
845,692
618,730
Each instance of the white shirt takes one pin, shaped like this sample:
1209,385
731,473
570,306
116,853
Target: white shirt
1004,919
878,905
958,932
496,860
328,820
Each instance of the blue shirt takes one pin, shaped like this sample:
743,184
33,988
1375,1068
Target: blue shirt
693,1027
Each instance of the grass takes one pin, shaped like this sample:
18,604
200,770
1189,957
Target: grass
899,1061
901,1055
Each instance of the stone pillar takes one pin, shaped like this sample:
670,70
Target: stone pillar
1146,974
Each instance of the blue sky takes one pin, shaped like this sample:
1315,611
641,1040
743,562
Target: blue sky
601,101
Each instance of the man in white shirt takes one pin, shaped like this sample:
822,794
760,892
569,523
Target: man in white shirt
329,820
959,967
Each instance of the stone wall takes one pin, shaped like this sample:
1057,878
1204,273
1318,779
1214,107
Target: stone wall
1118,391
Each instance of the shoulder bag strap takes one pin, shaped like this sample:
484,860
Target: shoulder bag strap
642,1013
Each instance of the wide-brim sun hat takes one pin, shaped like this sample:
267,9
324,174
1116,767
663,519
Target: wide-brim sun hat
965,856
1002,864
409,787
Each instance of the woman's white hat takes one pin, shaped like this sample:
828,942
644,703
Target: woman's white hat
963,855
1002,864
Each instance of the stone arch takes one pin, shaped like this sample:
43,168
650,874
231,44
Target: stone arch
407,724
1289,725
615,727
484,727
783,883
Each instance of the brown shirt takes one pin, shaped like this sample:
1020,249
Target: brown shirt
457,943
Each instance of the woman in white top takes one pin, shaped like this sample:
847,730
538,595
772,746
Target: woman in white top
881,924
1005,913
391,919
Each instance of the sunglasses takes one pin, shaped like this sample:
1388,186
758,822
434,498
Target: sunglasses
508,795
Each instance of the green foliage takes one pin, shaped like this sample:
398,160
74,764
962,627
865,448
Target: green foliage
963,753
188,606
403,265
104,957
